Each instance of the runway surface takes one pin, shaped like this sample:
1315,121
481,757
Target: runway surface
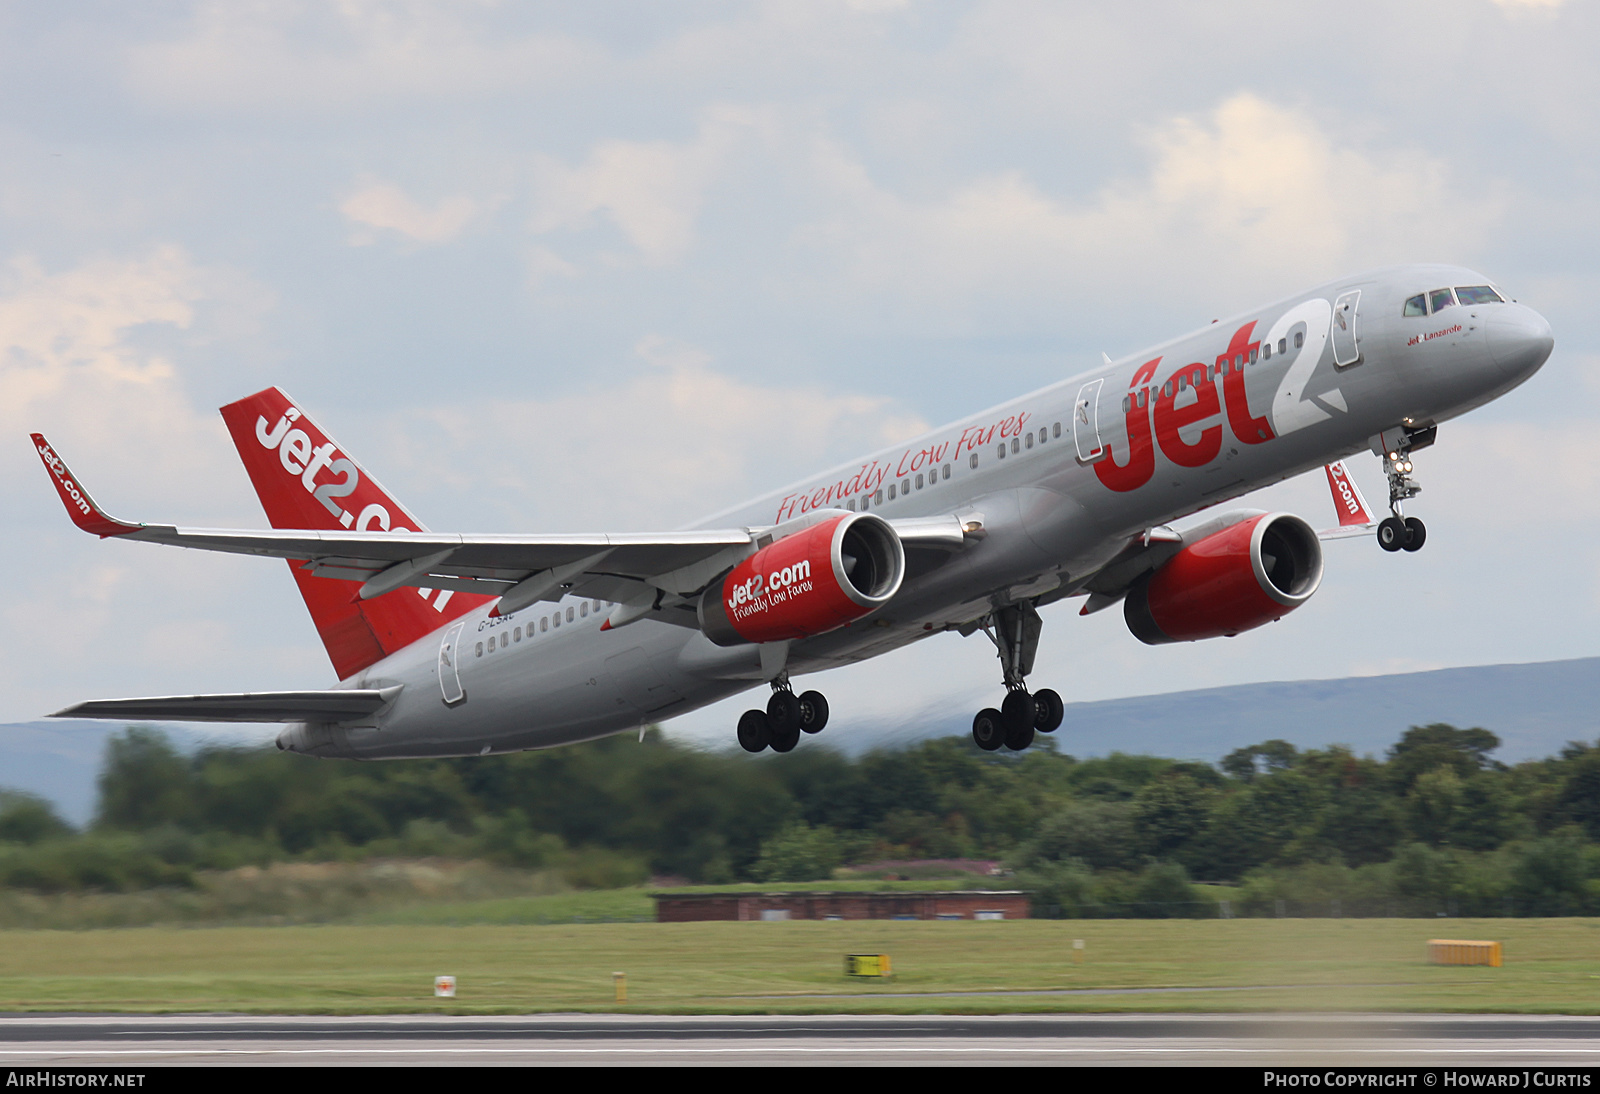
1372,1040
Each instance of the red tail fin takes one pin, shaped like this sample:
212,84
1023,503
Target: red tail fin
305,480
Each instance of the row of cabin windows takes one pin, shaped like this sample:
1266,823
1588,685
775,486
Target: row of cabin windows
1198,374
1024,441
1439,299
544,623
906,487
933,476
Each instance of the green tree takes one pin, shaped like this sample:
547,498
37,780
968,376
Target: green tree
799,853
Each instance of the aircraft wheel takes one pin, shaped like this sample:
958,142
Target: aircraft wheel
786,740
1391,533
1047,718
1019,738
783,712
813,711
1019,712
987,730
1416,534
754,733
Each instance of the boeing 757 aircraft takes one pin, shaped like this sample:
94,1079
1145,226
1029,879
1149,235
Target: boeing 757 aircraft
450,645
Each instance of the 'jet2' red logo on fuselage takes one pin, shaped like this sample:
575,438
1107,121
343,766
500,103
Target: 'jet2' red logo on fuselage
1157,420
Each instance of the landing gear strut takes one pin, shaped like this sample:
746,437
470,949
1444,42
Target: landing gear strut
1015,632
1400,532
786,717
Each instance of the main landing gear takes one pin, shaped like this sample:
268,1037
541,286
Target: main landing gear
1400,532
1015,632
786,717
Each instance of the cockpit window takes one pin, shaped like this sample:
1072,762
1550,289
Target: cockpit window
1417,305
1439,299
1478,294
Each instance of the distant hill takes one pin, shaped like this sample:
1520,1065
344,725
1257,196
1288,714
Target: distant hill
1535,709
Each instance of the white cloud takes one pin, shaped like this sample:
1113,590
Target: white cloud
385,206
77,363
651,191
338,57
70,361
1258,188
678,441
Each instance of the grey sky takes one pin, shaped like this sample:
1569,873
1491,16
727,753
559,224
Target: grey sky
576,267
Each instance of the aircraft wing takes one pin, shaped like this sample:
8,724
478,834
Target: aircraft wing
337,705
635,570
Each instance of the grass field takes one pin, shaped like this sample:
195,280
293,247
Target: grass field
1552,966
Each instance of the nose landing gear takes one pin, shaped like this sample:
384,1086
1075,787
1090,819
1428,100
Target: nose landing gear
1015,632
1400,532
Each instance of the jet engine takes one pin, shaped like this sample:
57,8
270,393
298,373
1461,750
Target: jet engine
1247,574
807,583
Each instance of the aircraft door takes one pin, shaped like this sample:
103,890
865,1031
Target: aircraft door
1086,422
1346,342
449,668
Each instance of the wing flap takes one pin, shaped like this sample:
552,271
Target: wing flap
335,705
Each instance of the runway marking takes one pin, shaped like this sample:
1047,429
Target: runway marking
817,1049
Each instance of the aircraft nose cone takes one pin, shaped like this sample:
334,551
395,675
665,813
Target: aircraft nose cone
1519,340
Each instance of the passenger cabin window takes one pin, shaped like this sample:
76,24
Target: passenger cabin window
1478,294
1299,338
544,624
1055,430
973,462
891,491
946,473
1439,299
1016,446
569,615
1417,305
1029,443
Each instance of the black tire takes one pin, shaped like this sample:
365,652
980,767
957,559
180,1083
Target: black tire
785,742
754,733
1051,710
988,730
1017,738
1391,533
1019,712
813,711
1416,534
783,713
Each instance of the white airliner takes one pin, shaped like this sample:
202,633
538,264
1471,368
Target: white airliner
453,645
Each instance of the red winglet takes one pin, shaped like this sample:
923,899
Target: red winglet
80,506
1347,499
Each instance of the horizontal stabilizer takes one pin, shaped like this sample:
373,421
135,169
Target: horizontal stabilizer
340,705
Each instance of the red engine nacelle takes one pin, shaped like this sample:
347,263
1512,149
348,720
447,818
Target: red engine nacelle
807,583
1248,574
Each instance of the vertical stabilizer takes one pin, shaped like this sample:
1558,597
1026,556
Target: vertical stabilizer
306,480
